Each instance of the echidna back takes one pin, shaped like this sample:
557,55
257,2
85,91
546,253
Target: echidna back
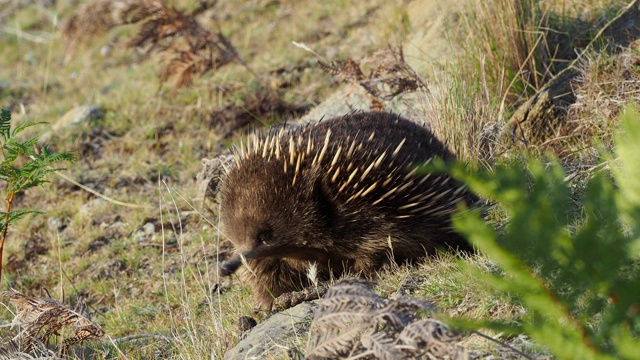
373,174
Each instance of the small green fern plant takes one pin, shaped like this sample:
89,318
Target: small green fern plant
575,267
19,175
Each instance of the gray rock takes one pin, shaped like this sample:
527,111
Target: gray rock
106,50
208,179
275,335
149,228
54,223
348,99
78,115
118,225
89,208
45,138
144,233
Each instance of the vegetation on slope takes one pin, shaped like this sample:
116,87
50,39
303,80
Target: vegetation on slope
178,81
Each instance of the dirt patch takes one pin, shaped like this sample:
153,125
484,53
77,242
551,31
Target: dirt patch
256,109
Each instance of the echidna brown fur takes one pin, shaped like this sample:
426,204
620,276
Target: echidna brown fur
345,194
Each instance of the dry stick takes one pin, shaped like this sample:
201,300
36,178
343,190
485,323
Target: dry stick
164,256
515,78
524,140
59,248
589,46
187,311
197,211
115,345
304,47
570,71
6,227
503,344
105,197
140,336
597,36
26,36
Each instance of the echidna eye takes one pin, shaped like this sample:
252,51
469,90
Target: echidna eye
264,237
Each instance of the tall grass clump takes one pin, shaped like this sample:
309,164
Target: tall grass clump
605,83
573,265
522,44
507,40
203,320
463,111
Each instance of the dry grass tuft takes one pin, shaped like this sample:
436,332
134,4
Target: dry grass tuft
510,37
604,85
193,289
39,320
529,47
464,113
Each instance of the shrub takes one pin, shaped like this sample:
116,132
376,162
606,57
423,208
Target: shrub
18,174
575,268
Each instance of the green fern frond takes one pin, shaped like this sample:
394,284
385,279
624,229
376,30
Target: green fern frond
566,265
20,178
5,123
24,125
627,172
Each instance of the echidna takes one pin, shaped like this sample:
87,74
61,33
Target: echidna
345,194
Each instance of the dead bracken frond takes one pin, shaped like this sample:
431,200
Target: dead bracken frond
353,321
40,319
11,351
92,19
185,47
389,77
182,65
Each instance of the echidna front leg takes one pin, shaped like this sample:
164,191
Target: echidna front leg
270,278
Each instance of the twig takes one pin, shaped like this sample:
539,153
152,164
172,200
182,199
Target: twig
597,36
502,344
105,197
26,36
6,226
140,336
304,46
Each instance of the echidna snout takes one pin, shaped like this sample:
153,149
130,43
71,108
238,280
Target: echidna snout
337,193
